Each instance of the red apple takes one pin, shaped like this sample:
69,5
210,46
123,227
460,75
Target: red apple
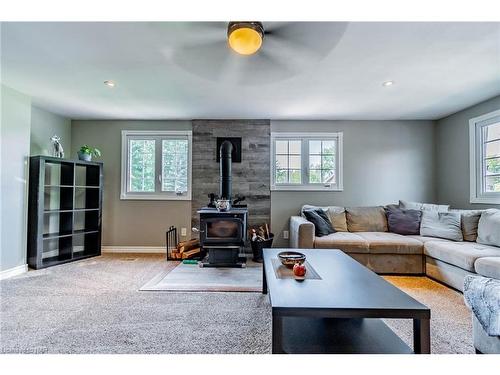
299,269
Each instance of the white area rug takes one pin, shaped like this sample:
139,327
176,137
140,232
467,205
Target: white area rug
192,278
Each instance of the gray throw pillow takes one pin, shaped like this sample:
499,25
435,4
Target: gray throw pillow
441,225
322,225
423,206
470,222
488,231
403,221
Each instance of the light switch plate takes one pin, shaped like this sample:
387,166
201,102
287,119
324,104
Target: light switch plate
285,234
183,231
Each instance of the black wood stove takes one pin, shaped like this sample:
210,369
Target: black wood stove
223,232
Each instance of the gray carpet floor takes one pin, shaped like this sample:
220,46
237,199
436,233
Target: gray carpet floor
95,306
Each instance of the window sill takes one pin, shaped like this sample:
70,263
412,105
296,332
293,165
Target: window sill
155,198
306,188
485,200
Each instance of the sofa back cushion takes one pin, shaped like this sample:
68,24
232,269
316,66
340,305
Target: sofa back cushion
423,206
337,218
366,219
402,221
322,225
470,222
441,225
488,231
335,214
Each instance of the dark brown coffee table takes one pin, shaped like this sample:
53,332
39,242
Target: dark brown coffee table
342,311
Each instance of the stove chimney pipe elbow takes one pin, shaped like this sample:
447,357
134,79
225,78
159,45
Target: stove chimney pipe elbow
226,150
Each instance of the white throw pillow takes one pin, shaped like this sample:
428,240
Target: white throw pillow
488,231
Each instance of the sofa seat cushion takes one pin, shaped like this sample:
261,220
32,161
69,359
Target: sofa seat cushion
488,267
345,241
425,239
391,243
460,254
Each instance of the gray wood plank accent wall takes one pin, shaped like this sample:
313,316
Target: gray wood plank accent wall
251,177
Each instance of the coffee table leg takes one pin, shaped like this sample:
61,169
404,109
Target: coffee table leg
421,336
277,345
264,281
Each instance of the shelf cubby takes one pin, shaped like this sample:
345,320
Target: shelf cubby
65,210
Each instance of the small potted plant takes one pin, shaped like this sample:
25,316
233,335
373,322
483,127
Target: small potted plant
87,152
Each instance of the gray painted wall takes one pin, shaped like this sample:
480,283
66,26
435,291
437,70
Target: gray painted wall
384,161
129,222
452,155
250,177
44,125
15,147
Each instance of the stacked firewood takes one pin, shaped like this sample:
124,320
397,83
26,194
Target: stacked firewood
187,249
260,233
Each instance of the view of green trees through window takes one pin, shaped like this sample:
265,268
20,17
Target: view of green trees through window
321,162
491,149
142,165
155,171
319,167
174,165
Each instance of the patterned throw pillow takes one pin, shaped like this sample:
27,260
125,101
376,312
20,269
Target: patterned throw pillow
322,225
403,221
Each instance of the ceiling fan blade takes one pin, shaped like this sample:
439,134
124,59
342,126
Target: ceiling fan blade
207,60
315,37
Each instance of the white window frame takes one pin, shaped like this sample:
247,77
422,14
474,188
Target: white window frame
476,152
305,186
128,195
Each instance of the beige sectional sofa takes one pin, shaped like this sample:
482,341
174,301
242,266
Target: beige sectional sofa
390,253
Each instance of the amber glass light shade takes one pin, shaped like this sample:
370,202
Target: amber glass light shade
245,38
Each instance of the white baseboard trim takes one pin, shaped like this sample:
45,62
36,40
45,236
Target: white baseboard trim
11,272
133,249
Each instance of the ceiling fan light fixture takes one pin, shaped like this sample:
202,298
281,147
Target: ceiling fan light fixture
245,38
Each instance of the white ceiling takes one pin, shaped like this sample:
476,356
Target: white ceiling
304,70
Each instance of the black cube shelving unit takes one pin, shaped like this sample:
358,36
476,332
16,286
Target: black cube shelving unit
65,210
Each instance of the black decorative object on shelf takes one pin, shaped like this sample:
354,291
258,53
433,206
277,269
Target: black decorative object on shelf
236,153
65,210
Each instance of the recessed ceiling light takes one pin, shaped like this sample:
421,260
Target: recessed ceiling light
388,83
109,83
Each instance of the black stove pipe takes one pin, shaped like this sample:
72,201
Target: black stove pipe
226,149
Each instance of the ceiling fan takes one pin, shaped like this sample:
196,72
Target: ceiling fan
251,52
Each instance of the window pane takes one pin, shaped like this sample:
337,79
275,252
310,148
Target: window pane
281,176
281,162
314,176
493,166
492,184
142,165
174,165
492,149
328,162
282,147
328,147
315,147
315,162
492,132
295,147
295,176
328,176
295,162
